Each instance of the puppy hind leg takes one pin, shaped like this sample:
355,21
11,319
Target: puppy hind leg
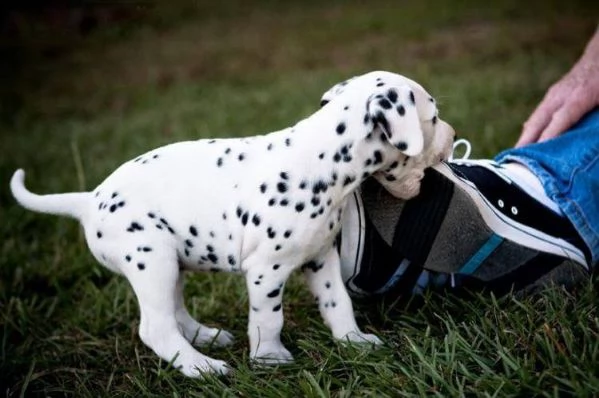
155,285
325,283
192,330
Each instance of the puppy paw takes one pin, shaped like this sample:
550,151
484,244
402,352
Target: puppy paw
272,354
358,337
223,338
202,335
203,366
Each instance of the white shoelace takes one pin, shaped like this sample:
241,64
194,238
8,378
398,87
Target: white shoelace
467,151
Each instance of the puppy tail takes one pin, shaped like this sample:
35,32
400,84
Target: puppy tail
65,204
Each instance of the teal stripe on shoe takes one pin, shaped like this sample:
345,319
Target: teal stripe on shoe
481,255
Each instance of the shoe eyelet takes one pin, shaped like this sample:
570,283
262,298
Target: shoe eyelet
500,203
514,210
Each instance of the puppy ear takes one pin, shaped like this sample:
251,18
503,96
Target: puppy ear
394,111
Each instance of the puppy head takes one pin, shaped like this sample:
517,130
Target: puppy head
402,112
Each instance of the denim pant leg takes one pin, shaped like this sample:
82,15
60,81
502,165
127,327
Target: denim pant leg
568,168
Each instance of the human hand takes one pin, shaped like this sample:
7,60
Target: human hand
567,100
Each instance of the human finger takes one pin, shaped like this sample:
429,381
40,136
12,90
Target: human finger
539,119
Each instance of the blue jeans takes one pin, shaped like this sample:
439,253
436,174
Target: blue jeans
568,168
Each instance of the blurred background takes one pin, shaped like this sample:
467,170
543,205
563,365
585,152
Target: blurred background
85,86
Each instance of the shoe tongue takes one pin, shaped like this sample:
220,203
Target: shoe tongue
383,209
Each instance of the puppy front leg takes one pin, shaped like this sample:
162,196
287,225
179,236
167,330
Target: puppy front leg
265,290
324,280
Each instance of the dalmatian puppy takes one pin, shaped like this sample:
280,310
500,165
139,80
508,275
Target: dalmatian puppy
260,206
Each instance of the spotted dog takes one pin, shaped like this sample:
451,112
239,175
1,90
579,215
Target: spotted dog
261,206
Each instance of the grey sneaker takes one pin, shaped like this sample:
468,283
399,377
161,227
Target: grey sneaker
470,226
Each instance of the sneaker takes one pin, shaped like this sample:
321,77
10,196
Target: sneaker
470,226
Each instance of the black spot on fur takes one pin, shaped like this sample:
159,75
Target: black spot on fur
348,180
272,202
366,118
312,265
327,284
434,120
276,308
227,151
271,232
284,202
212,257
112,208
321,155
269,147
378,157
241,157
287,234
239,212
315,201
303,184
99,234
412,99
402,146
288,141
340,128
393,165
121,203
219,162
244,218
392,95
210,248
277,248
114,195
274,293
385,104
336,157
319,186
256,220
263,187
151,215
282,187
276,267
380,84
390,177
193,231
155,157
135,227
284,175
128,258
141,266
346,107
299,207
231,260
401,110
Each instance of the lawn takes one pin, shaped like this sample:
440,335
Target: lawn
79,96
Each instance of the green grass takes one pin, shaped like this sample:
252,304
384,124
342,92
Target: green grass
75,107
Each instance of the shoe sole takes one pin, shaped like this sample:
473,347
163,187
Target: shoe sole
510,229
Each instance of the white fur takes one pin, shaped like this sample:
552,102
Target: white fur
262,206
